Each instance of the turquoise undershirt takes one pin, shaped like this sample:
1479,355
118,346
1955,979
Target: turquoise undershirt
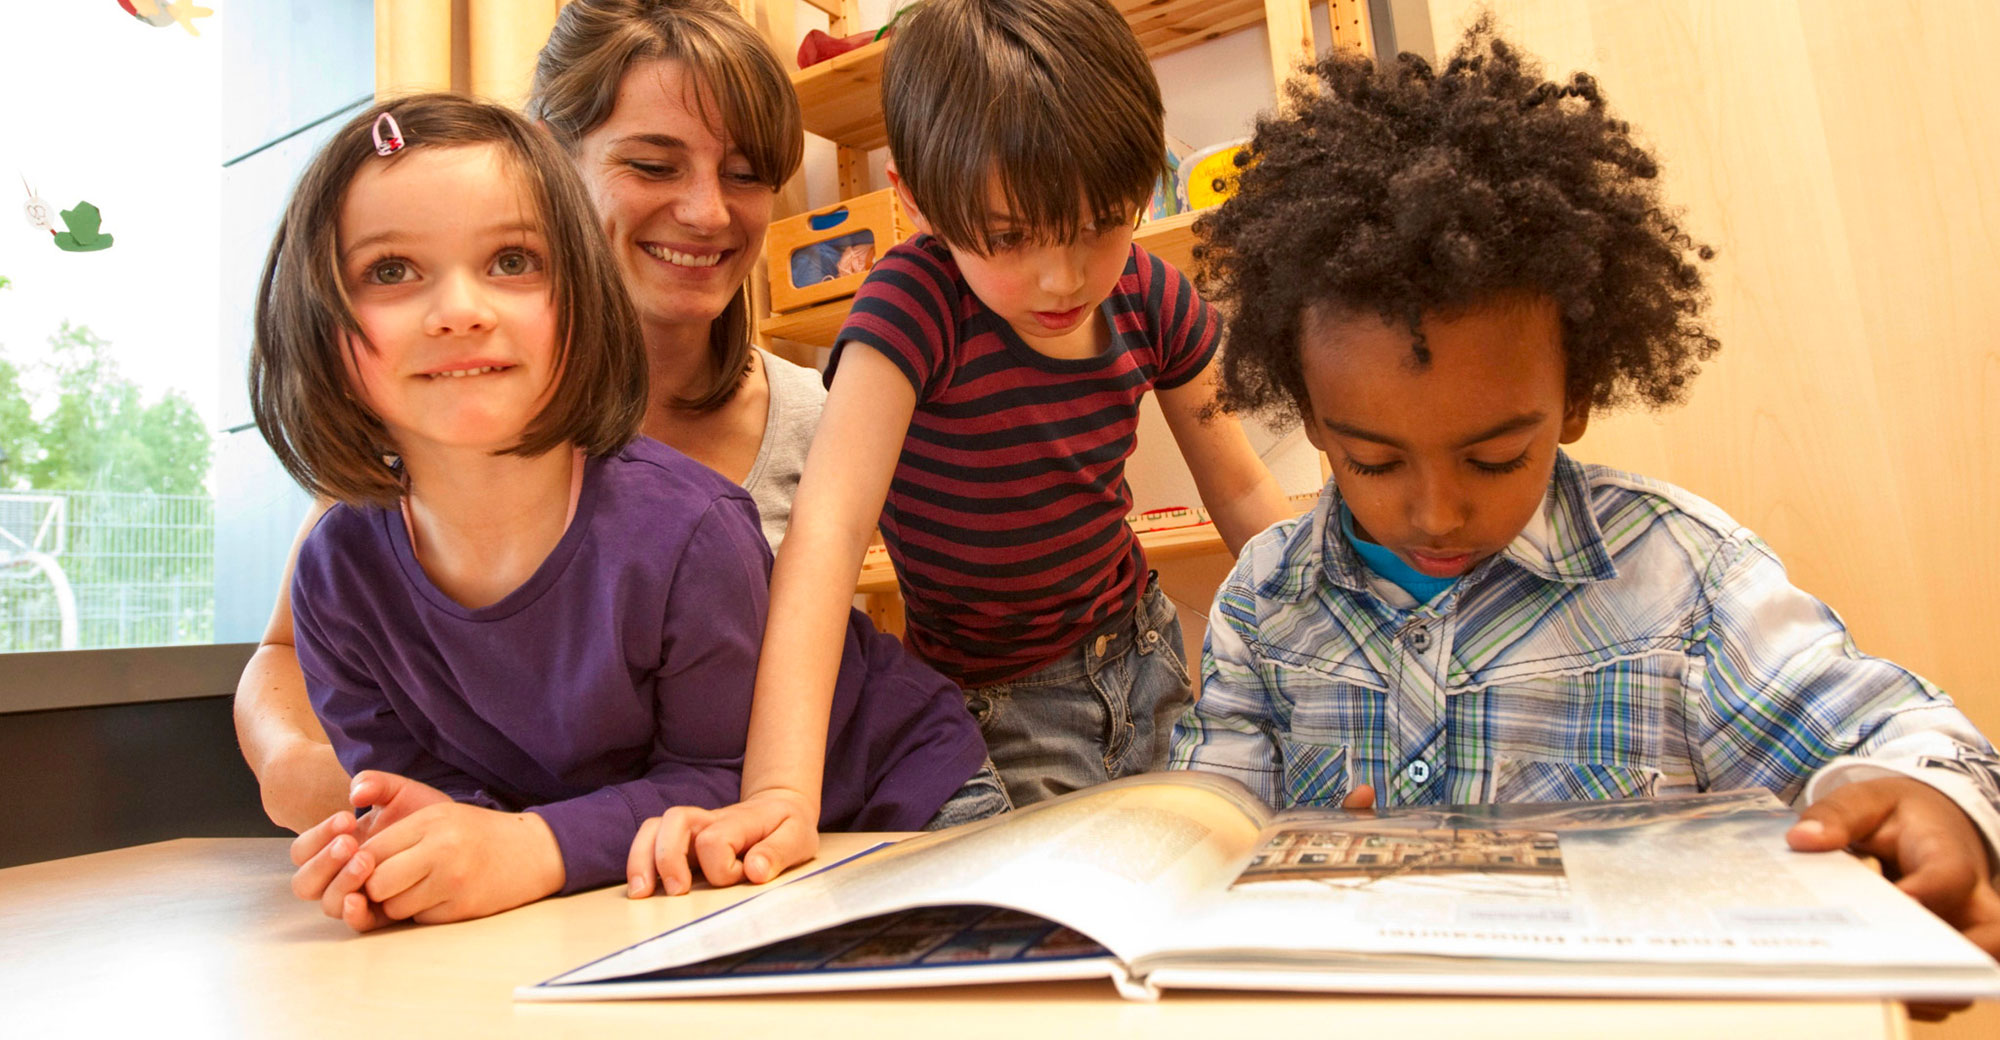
1422,587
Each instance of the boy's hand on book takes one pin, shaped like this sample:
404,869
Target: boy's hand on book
754,840
454,862
1926,843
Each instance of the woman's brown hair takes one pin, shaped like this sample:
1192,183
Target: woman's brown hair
300,389
737,79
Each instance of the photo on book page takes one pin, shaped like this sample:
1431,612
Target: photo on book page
1513,850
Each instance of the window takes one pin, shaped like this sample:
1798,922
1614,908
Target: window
138,506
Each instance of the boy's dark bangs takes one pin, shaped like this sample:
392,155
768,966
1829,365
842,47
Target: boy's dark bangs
1051,175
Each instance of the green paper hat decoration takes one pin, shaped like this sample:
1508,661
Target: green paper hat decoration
82,236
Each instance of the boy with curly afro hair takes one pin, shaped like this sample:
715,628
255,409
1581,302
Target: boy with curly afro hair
1442,274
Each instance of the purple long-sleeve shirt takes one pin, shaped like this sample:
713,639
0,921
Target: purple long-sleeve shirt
614,683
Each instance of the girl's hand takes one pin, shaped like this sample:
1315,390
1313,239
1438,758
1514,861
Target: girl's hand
329,869
454,862
755,840
325,855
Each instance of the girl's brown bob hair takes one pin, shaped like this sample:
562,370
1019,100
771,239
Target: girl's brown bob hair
737,79
300,389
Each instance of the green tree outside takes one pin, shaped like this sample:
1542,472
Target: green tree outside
18,431
139,549
101,436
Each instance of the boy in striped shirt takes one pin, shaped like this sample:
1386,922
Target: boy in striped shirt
983,398
1441,275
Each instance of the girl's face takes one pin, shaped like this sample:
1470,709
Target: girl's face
1442,464
683,210
442,254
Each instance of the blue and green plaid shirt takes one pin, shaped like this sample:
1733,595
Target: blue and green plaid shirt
1632,641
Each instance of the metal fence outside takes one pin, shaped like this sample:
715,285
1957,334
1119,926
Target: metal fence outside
95,570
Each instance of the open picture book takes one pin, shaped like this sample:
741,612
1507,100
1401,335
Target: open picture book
1187,880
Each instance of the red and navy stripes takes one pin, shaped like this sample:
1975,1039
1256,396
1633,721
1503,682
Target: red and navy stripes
1006,516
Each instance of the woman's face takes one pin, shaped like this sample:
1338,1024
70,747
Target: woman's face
683,210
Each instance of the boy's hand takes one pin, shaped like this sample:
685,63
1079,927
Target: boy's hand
755,840
453,862
1926,843
329,871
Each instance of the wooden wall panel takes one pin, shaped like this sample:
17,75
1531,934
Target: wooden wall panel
1842,156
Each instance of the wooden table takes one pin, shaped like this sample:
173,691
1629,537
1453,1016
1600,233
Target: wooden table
201,937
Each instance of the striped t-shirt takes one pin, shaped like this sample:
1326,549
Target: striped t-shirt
1006,517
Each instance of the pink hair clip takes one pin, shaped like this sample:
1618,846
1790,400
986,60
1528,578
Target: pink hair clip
393,142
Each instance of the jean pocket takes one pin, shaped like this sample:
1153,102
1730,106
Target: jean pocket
1539,780
1112,682
1315,774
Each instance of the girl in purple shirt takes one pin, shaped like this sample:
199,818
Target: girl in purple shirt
525,631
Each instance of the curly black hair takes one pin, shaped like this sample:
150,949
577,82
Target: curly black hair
1407,192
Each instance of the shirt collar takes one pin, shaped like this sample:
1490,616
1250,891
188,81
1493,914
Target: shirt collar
1561,542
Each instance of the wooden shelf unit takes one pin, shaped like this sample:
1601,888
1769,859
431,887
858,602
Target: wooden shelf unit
841,100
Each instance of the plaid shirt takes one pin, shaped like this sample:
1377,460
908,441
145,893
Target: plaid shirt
1632,641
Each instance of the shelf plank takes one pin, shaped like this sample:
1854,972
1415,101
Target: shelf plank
841,98
814,326
1166,26
1171,239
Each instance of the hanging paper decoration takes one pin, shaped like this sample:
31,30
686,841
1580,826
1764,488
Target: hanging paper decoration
82,236
40,214
152,15
162,13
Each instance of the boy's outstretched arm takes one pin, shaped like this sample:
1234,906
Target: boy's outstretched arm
1236,488
839,501
1878,757
1925,842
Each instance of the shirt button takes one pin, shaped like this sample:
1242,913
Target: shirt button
1418,771
1420,638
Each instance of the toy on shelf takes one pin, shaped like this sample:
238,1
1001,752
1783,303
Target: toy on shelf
819,46
825,254
1166,199
1209,176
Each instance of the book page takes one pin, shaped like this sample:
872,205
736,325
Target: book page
1112,863
1705,879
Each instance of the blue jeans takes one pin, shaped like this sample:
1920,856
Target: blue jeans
1102,710
976,799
